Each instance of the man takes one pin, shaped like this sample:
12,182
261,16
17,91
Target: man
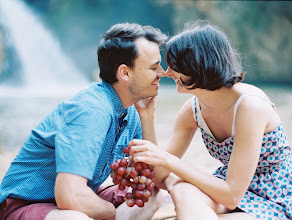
58,172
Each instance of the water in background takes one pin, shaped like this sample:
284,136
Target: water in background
47,75
44,67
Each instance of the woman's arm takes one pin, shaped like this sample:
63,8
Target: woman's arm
146,110
183,132
250,124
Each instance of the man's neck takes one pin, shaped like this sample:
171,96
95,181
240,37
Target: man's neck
125,97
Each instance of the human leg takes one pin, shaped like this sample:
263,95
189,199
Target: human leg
191,203
58,214
236,215
12,209
144,213
109,193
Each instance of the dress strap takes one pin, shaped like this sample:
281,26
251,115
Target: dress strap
199,118
238,102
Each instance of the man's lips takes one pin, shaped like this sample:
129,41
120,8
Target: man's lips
155,83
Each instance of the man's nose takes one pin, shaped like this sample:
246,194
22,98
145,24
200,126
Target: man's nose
160,72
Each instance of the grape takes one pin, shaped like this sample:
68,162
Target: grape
127,150
146,193
121,187
133,173
141,186
124,182
138,166
129,196
139,193
136,179
145,199
144,165
113,175
119,177
123,162
134,185
148,182
143,179
146,172
139,202
114,166
139,176
121,171
150,187
130,202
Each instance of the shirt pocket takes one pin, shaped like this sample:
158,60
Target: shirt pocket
117,153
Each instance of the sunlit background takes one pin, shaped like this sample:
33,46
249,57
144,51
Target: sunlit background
48,52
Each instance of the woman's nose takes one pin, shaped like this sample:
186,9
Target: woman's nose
168,72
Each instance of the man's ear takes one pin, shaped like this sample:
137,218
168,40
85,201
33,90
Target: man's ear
123,72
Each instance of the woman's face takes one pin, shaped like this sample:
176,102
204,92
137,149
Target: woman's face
179,79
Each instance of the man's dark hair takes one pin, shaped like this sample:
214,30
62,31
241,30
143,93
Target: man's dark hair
118,47
204,53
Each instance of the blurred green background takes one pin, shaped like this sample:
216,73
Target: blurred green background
260,30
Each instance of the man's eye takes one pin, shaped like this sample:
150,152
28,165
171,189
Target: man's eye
154,68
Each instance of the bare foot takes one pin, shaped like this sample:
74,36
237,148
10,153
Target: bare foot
145,213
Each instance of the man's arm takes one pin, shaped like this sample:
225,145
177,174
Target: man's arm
72,193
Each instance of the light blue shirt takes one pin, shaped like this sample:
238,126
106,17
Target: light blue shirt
82,136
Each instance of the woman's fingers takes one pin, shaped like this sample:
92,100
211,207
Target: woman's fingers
140,145
137,142
142,157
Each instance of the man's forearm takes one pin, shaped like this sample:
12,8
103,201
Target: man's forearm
89,203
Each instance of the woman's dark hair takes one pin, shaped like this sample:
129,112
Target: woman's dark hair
204,53
118,47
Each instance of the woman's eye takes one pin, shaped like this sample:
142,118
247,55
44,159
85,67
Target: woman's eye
184,83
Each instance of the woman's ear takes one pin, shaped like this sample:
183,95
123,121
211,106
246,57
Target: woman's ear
123,72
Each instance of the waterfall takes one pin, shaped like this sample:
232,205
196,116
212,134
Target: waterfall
44,65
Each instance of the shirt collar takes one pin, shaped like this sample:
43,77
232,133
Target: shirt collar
119,109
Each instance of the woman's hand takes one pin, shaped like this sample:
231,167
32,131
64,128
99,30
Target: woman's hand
147,152
146,107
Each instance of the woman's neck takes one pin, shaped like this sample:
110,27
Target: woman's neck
219,100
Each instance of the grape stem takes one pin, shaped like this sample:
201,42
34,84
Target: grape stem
130,158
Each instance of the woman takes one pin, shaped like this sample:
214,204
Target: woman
240,127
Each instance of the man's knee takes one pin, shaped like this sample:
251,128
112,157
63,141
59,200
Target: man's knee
183,192
58,214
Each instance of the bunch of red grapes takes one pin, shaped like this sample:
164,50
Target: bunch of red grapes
139,176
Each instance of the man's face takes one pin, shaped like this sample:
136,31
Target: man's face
147,71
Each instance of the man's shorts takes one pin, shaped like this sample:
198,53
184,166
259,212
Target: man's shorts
12,209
